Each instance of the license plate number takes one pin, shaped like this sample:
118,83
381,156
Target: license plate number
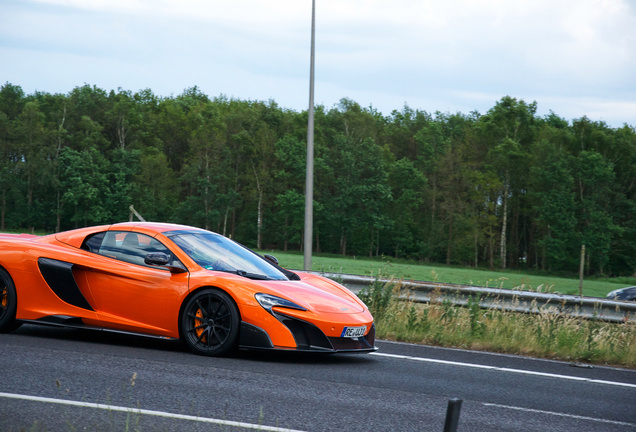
354,332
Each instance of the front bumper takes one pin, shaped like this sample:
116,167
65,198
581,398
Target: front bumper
307,336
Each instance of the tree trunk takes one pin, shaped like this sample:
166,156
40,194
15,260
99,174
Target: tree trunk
206,193
285,234
58,203
449,248
58,218
227,210
30,202
259,216
343,243
121,132
504,224
259,222
431,241
491,250
476,249
233,223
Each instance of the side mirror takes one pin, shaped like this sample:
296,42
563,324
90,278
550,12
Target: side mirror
162,259
157,258
271,258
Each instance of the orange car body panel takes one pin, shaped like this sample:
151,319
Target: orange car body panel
147,300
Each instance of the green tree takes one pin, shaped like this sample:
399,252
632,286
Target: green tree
407,185
123,167
155,188
85,186
358,190
553,195
204,175
507,132
594,177
290,217
33,156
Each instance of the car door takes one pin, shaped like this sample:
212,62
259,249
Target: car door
130,295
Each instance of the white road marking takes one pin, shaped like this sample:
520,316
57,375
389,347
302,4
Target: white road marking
578,417
146,412
495,368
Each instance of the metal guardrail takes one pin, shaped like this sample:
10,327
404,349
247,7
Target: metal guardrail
501,299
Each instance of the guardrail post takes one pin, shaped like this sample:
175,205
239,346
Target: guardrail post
452,415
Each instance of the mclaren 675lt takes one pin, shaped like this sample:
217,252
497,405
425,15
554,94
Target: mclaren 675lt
175,282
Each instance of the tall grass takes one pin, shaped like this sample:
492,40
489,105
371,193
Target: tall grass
547,334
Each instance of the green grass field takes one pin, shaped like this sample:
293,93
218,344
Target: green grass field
453,275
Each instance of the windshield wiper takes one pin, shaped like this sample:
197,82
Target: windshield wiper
246,274
252,275
243,273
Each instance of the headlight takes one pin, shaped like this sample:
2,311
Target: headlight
267,301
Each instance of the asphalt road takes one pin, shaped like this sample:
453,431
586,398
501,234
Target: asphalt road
70,380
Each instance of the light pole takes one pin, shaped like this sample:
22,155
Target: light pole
309,179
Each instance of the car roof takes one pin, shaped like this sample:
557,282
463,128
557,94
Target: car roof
76,237
155,227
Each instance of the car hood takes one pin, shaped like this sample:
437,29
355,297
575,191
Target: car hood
323,298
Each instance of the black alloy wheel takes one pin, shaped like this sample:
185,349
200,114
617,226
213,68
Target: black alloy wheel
8,303
210,323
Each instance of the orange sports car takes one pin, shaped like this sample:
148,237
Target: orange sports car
175,282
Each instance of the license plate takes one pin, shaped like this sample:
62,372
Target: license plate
354,332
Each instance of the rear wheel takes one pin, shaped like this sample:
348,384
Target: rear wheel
8,303
210,323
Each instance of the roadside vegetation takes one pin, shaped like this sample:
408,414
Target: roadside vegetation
546,335
441,323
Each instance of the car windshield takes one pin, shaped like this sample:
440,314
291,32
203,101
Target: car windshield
216,252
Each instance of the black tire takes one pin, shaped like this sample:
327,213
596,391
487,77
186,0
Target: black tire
210,323
8,303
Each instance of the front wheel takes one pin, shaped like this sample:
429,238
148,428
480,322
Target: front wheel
8,303
210,323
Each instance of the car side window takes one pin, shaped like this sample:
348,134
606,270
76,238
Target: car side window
128,246
92,242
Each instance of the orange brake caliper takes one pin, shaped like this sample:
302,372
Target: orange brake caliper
198,323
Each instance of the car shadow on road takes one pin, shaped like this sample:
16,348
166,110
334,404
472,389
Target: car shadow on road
97,337
47,335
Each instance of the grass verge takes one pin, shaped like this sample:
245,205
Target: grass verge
545,335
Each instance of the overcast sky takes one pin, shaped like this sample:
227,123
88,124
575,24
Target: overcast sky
574,57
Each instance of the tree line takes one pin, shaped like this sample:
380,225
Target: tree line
504,189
